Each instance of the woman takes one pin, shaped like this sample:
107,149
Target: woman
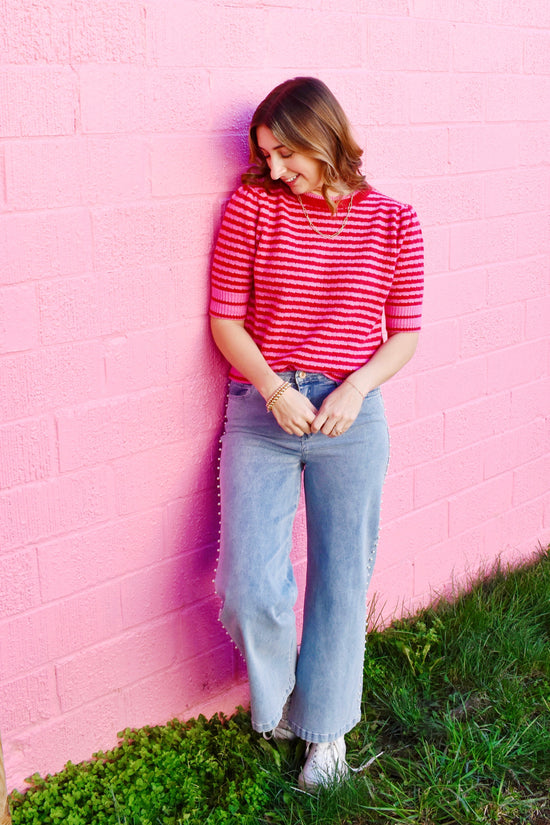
310,264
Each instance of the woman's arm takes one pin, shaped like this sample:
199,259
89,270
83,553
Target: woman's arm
340,409
388,359
293,411
234,342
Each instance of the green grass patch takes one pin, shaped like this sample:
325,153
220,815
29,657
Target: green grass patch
456,710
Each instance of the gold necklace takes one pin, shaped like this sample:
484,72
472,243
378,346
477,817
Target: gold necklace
323,234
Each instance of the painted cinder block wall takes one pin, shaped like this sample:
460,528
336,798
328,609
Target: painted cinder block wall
122,131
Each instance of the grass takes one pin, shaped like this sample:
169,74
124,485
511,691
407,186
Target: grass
456,716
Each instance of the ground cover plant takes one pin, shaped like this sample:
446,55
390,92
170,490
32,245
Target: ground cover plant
456,718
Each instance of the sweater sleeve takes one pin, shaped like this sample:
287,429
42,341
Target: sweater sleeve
233,261
403,307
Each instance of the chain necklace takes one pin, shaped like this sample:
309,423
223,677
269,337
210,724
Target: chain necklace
323,234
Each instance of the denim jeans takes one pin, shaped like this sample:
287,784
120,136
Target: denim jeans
261,473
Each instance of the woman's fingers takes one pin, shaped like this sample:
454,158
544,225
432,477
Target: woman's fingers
296,415
338,412
294,412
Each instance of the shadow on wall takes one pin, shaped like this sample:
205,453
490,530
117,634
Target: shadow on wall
210,662
235,153
176,593
207,656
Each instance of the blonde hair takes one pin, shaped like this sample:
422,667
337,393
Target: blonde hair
304,116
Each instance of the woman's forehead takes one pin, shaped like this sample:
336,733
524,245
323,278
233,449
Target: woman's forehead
266,139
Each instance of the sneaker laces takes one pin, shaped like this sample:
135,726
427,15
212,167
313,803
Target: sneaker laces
366,764
345,764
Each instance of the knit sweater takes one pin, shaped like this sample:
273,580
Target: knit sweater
311,302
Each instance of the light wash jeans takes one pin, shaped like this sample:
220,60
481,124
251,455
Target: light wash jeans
260,477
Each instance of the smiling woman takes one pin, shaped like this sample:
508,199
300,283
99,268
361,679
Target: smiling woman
309,262
313,126
300,172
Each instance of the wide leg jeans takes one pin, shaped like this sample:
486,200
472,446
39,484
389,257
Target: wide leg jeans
261,474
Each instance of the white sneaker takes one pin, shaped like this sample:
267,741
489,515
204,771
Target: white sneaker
283,732
325,764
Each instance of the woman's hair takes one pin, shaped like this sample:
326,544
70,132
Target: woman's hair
304,116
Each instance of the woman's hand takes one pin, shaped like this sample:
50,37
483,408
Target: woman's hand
294,412
338,411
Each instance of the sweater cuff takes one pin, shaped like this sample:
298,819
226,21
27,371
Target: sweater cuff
228,304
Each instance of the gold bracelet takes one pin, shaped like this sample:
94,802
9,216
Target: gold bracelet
272,400
355,388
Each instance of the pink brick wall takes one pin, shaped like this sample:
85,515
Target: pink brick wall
121,133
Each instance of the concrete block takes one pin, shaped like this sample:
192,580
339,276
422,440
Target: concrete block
451,473
511,367
86,558
448,200
455,294
55,506
98,432
480,147
44,244
451,386
19,587
37,100
491,49
418,441
537,313
129,99
28,451
487,500
29,700
474,243
156,233
530,401
43,380
476,421
520,190
490,330
398,495
413,45
19,319
515,447
73,171
94,672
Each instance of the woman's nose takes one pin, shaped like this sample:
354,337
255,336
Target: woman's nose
277,168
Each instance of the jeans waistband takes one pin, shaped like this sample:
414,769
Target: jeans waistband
302,378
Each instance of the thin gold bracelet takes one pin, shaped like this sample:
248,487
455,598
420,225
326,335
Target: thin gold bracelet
272,400
355,388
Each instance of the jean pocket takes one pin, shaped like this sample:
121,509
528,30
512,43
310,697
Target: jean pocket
375,393
239,390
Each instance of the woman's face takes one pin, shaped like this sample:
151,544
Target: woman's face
299,172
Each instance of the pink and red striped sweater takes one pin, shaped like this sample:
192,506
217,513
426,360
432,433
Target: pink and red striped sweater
310,302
